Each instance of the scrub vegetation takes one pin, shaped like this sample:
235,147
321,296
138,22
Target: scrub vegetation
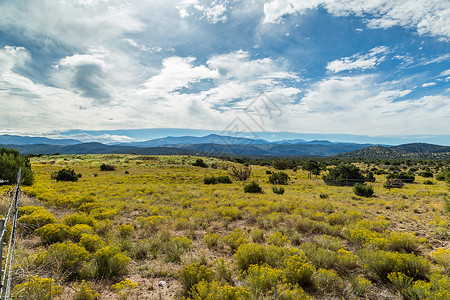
129,222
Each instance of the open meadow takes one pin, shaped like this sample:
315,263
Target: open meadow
149,227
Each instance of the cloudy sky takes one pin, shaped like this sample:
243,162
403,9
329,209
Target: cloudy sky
375,68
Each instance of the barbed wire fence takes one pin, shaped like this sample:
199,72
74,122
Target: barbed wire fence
10,218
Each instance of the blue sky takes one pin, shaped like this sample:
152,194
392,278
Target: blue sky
379,68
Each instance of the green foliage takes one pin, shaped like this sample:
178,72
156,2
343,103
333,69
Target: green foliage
193,274
291,292
278,190
426,174
213,290
253,187
249,254
37,288
107,167
125,230
360,285
384,262
212,240
236,238
363,190
279,178
216,180
37,218
110,262
344,175
91,242
78,218
53,233
278,239
175,247
328,281
77,230
261,279
84,291
64,259
240,173
298,271
200,163
10,162
407,177
66,174
393,183
124,288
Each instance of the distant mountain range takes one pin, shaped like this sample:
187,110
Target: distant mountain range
215,145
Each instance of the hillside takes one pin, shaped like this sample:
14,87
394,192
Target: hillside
413,150
155,219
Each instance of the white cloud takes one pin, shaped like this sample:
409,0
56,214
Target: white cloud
176,73
427,17
445,73
213,12
73,23
358,105
428,84
358,61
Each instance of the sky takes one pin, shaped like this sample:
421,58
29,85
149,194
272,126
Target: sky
94,69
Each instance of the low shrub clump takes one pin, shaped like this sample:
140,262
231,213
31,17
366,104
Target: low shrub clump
84,291
279,178
36,287
66,174
53,233
253,187
193,274
107,167
363,190
278,190
216,180
110,262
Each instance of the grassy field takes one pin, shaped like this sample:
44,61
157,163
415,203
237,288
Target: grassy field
153,219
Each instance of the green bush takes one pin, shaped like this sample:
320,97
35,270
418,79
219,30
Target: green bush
363,190
125,230
345,175
84,291
110,262
53,233
200,163
236,238
384,262
279,178
77,230
78,218
215,291
328,281
262,279
278,239
66,174
193,274
64,259
298,271
407,177
212,240
249,254
91,242
107,167
35,287
10,163
278,190
175,247
253,187
393,183
216,180
37,218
